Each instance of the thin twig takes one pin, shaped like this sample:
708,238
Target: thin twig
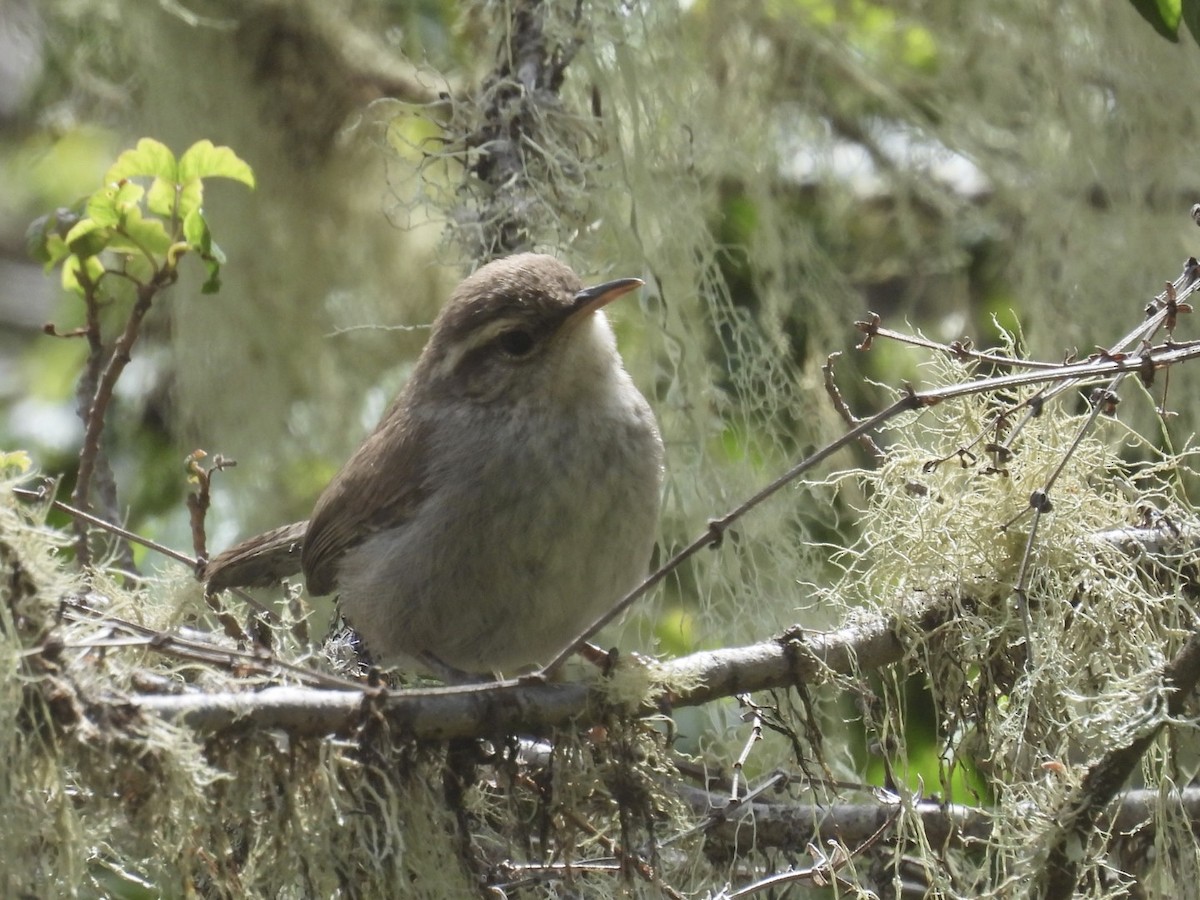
822,872
98,406
1040,503
41,495
625,857
168,643
959,350
85,391
756,734
1086,372
199,500
1160,312
843,408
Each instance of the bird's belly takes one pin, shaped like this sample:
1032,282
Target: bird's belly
506,571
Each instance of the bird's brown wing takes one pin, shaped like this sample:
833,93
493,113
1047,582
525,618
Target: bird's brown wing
380,487
262,560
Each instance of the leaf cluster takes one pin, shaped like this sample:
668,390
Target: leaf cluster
147,229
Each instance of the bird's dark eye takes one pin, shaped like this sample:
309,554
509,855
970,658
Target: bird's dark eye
517,342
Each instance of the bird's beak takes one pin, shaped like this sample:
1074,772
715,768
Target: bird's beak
591,299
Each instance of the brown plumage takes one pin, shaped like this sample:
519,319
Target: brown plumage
509,494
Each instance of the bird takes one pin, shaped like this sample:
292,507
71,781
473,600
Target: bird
508,497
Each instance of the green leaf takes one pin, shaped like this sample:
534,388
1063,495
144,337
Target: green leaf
139,223
199,238
140,234
102,207
36,235
196,233
56,251
44,236
212,284
88,238
129,195
109,205
71,269
160,199
191,196
70,279
203,160
1163,15
149,159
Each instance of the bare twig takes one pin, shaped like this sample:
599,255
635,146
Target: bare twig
843,409
197,648
756,733
85,391
1161,312
97,407
198,501
791,825
41,494
959,350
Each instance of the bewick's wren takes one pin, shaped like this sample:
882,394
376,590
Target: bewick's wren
508,497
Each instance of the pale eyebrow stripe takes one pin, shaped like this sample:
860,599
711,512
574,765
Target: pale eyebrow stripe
476,338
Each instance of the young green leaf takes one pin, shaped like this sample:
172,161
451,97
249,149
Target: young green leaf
44,236
195,231
91,265
149,159
161,198
191,196
54,251
203,160
146,236
110,204
1163,15
212,265
88,238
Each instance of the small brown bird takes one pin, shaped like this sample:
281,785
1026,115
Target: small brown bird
509,496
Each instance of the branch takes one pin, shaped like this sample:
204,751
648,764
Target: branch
98,408
791,826
1079,813
529,706
516,143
